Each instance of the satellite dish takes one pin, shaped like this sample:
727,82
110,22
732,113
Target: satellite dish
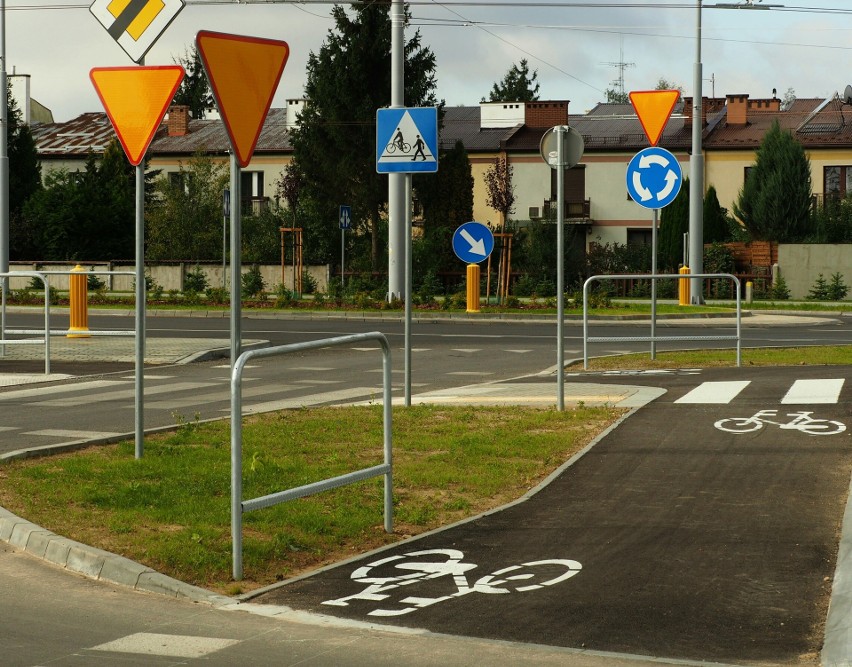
847,95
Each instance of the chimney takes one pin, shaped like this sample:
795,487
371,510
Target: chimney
545,114
773,105
707,106
178,120
294,108
20,86
738,109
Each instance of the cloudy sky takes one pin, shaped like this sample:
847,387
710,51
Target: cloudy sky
574,46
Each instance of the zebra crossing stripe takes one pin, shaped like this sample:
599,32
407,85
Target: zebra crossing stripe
714,392
813,391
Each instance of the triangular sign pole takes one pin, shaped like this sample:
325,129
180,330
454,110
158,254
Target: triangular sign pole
244,73
654,108
136,100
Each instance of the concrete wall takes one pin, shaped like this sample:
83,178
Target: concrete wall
169,276
800,264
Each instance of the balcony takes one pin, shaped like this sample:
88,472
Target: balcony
577,211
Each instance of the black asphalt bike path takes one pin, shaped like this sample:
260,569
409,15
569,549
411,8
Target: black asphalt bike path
668,538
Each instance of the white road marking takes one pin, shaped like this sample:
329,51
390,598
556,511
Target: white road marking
715,392
813,391
77,435
213,397
314,399
60,389
479,373
468,350
518,351
123,394
174,646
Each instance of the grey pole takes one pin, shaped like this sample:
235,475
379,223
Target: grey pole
4,175
342,258
696,175
654,283
139,380
236,260
408,291
396,182
560,267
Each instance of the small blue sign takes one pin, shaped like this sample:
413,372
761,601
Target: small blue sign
654,177
345,217
407,140
473,242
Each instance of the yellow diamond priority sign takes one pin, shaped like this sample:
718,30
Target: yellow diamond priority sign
243,73
136,24
654,107
136,99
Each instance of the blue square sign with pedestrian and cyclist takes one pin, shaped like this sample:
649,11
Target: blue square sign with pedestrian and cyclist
407,140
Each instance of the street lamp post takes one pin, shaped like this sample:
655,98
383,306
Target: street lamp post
696,174
4,172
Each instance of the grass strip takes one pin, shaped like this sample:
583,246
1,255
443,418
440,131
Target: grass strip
831,355
170,510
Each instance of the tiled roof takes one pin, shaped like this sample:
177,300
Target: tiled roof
88,133
606,128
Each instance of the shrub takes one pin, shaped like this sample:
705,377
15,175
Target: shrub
217,295
283,296
252,282
780,291
819,291
195,281
93,283
837,289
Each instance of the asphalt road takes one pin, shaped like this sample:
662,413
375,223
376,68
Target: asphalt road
671,537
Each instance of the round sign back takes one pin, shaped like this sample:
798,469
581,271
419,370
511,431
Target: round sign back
572,146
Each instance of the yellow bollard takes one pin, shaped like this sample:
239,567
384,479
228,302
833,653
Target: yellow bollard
473,288
78,296
683,287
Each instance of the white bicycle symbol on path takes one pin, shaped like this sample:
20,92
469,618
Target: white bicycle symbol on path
802,421
388,574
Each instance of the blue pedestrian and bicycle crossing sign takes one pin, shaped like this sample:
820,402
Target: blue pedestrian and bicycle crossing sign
654,177
407,140
473,242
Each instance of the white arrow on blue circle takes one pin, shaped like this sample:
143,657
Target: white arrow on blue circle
477,246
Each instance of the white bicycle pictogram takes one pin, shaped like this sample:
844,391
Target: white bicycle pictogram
802,421
384,576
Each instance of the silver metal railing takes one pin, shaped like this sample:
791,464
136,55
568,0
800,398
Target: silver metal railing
240,506
654,338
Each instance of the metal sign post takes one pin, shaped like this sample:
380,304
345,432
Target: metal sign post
345,220
561,147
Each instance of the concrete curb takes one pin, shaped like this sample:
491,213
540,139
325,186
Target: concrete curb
95,563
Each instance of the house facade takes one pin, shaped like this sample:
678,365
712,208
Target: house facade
596,195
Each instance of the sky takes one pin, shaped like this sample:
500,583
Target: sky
573,46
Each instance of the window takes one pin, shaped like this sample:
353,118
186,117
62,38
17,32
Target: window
639,237
251,184
837,182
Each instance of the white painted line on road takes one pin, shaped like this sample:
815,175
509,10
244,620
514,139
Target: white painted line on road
13,379
813,391
9,428
77,435
212,397
314,399
478,373
174,646
317,382
469,350
312,369
123,394
518,351
60,389
715,392
149,377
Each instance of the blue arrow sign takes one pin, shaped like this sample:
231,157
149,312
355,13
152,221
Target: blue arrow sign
654,177
345,217
473,242
407,140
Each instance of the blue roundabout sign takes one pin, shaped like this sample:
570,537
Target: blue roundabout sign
654,177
